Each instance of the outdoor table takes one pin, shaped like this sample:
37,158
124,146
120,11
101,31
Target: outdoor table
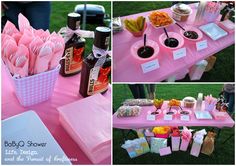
126,68
66,91
141,122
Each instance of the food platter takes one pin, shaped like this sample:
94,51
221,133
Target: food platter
171,20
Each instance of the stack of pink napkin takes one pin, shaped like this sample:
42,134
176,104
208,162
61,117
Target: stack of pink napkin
88,122
28,51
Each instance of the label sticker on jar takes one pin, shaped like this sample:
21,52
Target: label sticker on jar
177,54
150,66
201,45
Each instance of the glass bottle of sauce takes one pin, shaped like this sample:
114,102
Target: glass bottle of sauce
71,64
227,11
96,67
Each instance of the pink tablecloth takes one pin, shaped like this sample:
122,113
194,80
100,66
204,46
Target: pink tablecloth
66,91
141,122
125,68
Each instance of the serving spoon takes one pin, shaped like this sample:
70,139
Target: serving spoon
170,41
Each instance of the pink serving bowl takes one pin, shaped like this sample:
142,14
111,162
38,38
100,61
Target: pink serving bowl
138,44
172,110
191,28
175,35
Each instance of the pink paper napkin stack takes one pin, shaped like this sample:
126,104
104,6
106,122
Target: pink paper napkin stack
88,122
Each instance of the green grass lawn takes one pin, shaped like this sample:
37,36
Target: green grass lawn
223,70
224,153
59,12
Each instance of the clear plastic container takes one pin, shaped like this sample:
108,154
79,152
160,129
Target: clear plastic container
181,12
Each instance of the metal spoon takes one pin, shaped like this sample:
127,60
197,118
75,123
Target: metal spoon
144,43
167,35
169,40
180,26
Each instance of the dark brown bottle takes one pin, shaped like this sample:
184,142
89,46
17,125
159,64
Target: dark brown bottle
227,11
74,48
96,79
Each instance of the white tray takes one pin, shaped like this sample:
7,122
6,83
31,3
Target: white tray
213,31
28,127
203,115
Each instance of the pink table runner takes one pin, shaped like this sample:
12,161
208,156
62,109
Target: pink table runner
141,122
65,92
125,68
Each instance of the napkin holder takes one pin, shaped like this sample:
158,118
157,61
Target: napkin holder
34,89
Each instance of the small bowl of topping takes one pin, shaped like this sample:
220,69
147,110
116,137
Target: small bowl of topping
158,103
191,33
172,112
159,19
136,26
175,40
156,112
185,112
189,102
144,53
181,12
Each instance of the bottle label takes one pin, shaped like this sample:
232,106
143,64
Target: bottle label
77,24
98,80
73,59
107,40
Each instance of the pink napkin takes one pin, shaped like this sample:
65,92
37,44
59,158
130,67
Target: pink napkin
88,121
38,32
23,23
44,57
17,37
44,36
9,48
20,61
10,29
58,50
34,48
44,49
26,38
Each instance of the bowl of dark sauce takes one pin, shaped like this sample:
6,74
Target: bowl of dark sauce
191,33
144,53
175,41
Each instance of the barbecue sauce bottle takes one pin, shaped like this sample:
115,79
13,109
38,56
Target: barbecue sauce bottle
96,79
227,11
74,48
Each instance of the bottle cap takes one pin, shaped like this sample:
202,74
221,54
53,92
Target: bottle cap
102,37
73,20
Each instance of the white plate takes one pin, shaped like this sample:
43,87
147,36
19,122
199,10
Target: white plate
22,129
213,31
203,115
